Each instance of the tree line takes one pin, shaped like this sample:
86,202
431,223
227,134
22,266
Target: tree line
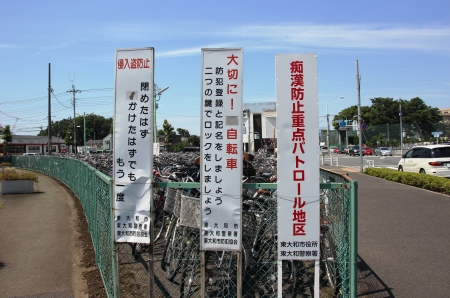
98,127
416,117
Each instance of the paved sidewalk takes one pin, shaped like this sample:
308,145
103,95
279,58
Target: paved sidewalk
403,241
37,242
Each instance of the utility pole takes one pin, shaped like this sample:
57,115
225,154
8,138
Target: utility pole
401,130
73,91
49,111
358,94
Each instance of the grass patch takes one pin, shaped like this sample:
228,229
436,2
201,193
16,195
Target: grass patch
13,175
424,181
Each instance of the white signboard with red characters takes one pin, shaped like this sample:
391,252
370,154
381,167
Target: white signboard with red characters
298,170
133,144
221,149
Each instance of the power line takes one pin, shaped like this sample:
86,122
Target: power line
58,100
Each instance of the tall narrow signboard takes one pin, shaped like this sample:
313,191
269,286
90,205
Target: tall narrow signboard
133,144
221,151
298,151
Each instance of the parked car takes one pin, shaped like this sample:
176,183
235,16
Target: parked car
431,159
383,151
347,150
354,150
366,151
338,150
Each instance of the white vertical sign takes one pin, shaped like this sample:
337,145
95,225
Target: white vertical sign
298,150
221,151
133,144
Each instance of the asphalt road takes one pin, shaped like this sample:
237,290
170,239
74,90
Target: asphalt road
403,242
344,160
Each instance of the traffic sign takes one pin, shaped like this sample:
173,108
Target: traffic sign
436,134
343,123
364,126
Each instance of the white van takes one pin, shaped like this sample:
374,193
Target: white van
431,159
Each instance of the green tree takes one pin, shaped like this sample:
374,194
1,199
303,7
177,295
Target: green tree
183,132
416,116
7,138
97,127
168,132
373,142
68,139
424,117
194,140
178,147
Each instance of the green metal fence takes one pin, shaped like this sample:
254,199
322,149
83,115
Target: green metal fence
173,266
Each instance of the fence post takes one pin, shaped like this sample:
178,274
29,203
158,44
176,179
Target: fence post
353,239
115,254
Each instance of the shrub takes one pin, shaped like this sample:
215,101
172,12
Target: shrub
428,182
13,175
5,164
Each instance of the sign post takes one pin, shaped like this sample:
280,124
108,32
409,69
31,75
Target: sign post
436,134
221,151
298,173
133,144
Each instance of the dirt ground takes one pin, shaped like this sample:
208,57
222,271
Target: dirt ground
86,274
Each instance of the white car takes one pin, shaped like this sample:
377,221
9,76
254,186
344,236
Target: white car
431,159
383,151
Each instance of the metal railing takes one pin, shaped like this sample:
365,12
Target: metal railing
173,266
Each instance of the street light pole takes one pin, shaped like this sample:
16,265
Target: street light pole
159,92
328,124
84,130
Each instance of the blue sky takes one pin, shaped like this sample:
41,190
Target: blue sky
403,49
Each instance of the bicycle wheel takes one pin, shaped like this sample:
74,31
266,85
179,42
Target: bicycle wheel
191,276
328,258
221,272
159,215
266,273
169,235
303,279
249,223
175,253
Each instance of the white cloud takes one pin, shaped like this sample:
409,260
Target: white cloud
9,46
347,36
301,36
53,47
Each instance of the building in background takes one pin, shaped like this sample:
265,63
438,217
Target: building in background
260,127
445,113
21,144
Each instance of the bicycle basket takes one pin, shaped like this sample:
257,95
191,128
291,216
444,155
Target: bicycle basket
177,204
190,212
170,199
